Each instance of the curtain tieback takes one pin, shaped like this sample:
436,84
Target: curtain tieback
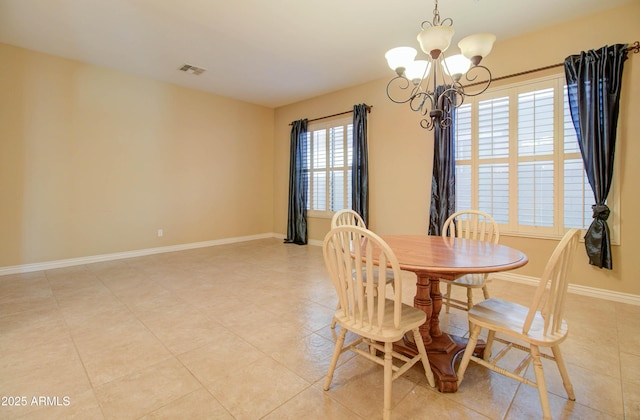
600,211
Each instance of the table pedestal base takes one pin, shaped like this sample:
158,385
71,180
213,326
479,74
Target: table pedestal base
442,352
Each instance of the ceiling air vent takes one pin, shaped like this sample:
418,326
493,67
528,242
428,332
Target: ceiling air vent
188,68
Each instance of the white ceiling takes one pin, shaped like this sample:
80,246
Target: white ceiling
267,52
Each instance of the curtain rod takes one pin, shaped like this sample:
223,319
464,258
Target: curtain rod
368,107
635,48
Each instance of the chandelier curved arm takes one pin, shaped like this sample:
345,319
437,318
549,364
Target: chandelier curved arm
428,124
440,115
472,75
436,119
401,83
426,24
452,97
418,101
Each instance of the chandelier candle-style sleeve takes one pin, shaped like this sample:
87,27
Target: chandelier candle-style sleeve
421,78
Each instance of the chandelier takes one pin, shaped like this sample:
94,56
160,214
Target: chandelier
434,85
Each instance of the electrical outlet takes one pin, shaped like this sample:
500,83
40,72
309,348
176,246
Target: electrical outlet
160,233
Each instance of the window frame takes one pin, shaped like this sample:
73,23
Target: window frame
559,156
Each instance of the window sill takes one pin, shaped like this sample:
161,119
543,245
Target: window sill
319,214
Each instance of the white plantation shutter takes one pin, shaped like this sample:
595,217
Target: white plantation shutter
463,133
331,154
578,196
493,128
337,158
535,123
535,193
318,179
517,158
463,154
493,152
463,187
319,191
535,157
493,191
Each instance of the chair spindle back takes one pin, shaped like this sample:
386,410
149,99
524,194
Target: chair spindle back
352,255
347,217
550,295
472,224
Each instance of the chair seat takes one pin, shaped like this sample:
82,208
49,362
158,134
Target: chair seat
509,317
474,281
410,318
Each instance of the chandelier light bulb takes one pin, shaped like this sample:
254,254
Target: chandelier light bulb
435,40
400,57
476,47
417,70
456,65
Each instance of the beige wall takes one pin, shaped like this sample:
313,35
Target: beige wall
401,153
94,161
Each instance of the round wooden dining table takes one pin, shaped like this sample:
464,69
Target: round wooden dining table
433,258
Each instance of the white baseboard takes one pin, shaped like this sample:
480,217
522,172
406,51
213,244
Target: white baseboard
517,278
314,242
575,288
49,265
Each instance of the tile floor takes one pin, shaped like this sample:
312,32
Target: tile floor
241,331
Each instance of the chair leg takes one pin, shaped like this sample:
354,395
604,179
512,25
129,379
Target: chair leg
487,347
469,303
563,372
447,298
423,356
540,382
334,360
333,322
388,378
485,292
466,357
372,350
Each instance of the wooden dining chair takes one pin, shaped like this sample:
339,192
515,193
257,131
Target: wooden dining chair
469,224
348,217
539,325
351,255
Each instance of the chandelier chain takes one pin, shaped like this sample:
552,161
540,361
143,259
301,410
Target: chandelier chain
436,15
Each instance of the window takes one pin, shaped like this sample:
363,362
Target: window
330,156
517,158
